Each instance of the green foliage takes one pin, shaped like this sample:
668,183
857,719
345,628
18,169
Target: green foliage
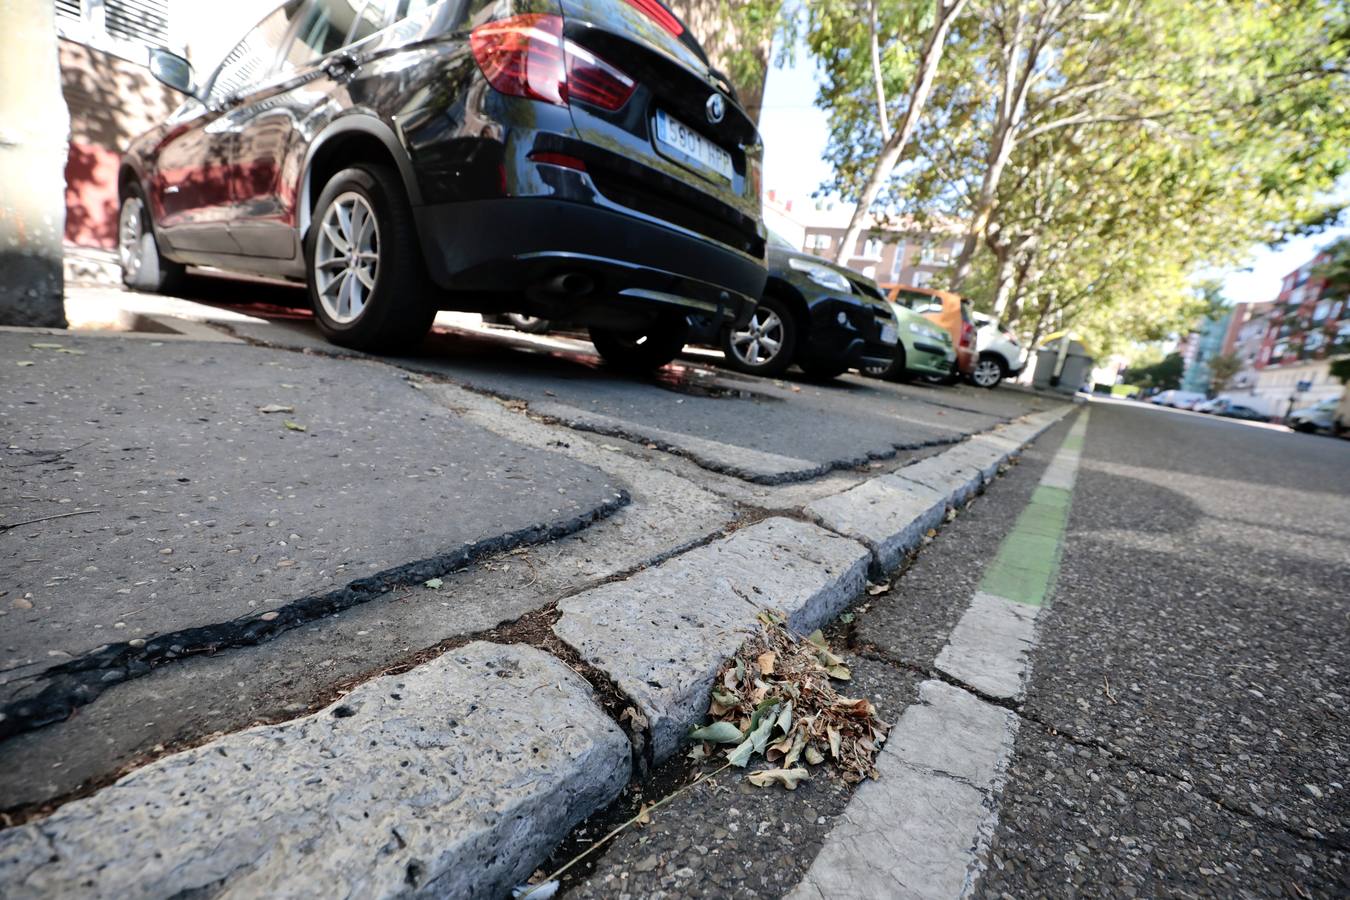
1156,139
1164,375
1336,269
1340,369
1223,368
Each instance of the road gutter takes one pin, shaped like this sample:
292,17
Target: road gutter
923,830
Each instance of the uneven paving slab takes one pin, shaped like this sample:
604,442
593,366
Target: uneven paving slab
922,829
662,634
207,523
892,512
452,780
760,430
888,514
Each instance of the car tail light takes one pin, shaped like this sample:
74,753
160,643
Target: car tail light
659,14
526,56
967,334
592,80
566,160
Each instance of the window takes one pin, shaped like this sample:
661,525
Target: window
124,27
935,256
324,29
921,279
245,67
869,271
370,20
1322,310
898,263
872,248
817,241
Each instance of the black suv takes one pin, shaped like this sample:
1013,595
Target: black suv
573,159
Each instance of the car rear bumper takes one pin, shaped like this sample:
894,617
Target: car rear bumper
631,267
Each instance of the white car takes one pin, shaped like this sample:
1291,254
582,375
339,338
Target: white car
1178,399
999,356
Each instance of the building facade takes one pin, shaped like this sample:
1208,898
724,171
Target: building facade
104,52
1309,326
891,253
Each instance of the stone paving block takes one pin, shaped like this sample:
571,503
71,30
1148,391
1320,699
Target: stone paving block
887,513
956,478
662,634
455,779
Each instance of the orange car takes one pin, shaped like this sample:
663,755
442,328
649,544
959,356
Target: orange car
951,311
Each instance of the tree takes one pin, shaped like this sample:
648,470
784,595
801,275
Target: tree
32,167
893,144
738,38
1163,376
1223,368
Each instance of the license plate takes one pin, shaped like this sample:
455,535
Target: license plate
690,146
888,334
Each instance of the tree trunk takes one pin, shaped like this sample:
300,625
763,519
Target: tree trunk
34,136
891,150
878,82
743,57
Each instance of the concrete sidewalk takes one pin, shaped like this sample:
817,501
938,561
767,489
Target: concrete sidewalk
397,525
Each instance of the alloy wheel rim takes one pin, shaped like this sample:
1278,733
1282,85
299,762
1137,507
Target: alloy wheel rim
986,373
347,257
760,340
129,237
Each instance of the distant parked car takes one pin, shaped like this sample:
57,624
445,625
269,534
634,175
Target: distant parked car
925,349
825,318
1320,417
997,353
1177,399
579,161
952,312
1229,408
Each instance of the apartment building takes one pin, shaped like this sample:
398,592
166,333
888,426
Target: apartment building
896,252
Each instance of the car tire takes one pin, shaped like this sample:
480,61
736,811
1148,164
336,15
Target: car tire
822,370
774,322
144,268
528,324
377,297
897,371
642,351
989,371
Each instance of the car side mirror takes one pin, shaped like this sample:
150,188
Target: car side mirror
172,70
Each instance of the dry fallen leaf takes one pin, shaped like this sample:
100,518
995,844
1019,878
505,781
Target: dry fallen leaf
295,426
276,408
788,778
875,589
644,816
765,662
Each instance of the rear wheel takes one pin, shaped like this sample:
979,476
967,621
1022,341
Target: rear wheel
143,267
529,324
766,344
989,371
643,350
367,283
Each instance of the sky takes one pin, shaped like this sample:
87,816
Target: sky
795,134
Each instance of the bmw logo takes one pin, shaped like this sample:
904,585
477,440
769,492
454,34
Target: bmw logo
717,108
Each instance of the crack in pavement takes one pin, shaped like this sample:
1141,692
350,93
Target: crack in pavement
81,680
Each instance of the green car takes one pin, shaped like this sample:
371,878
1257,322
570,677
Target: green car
924,349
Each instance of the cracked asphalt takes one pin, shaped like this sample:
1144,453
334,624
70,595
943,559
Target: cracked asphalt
1187,730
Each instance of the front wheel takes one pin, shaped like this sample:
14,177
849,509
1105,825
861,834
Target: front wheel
989,371
367,283
766,344
644,350
897,371
143,267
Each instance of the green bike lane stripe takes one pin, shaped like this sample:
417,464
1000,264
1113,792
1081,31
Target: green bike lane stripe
989,647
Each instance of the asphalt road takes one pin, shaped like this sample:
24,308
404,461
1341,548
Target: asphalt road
1187,726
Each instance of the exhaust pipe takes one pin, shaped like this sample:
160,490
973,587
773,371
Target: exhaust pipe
574,284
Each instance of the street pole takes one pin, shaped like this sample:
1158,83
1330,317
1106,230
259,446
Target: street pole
34,137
